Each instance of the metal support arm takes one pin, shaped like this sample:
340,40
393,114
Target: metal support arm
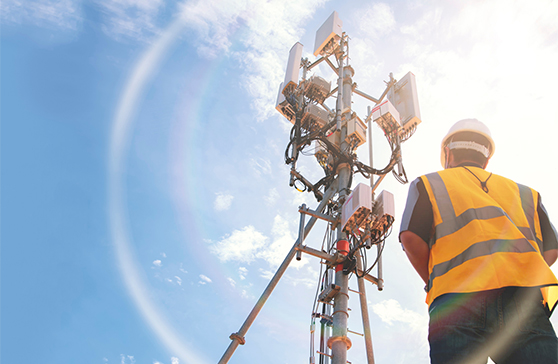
335,69
320,60
319,215
238,337
366,96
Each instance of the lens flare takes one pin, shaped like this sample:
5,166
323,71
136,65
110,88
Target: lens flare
122,125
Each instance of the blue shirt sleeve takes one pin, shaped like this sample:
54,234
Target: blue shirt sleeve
418,216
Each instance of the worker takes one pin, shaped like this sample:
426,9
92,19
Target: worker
483,245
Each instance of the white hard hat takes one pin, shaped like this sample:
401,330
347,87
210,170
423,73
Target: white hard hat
469,125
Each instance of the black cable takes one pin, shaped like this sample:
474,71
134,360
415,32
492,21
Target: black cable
359,244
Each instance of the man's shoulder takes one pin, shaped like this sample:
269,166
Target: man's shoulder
479,172
430,176
513,182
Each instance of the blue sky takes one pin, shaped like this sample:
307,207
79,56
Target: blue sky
144,198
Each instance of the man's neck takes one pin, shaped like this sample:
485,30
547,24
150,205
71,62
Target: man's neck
467,164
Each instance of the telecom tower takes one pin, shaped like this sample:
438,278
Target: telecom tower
356,219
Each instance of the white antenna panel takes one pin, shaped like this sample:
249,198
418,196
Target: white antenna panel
386,116
385,204
332,29
284,107
357,207
356,129
314,115
293,66
384,212
317,89
404,97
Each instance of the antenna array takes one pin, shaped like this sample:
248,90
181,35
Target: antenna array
356,220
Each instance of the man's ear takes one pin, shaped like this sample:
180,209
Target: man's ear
447,152
449,158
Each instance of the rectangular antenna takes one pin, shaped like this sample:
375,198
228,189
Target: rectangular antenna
404,97
386,116
293,66
356,130
284,107
357,207
332,29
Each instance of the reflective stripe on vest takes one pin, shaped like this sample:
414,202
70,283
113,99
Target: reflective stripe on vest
478,250
526,196
451,223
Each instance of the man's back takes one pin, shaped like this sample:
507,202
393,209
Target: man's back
486,233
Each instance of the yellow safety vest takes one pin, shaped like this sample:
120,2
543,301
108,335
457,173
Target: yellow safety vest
484,240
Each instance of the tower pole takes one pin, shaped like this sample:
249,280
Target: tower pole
339,342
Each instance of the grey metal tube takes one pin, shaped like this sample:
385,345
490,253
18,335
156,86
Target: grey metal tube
339,104
271,285
348,73
380,269
374,186
340,318
340,343
370,150
340,314
365,316
366,96
300,239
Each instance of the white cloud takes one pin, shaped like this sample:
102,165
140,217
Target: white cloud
248,244
163,255
304,280
204,279
424,26
168,280
61,14
241,245
308,279
183,270
174,360
242,272
127,359
178,280
157,362
223,201
409,326
231,281
132,19
390,311
213,21
157,263
299,198
261,166
266,274
272,28
272,197
376,20
282,243
124,19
